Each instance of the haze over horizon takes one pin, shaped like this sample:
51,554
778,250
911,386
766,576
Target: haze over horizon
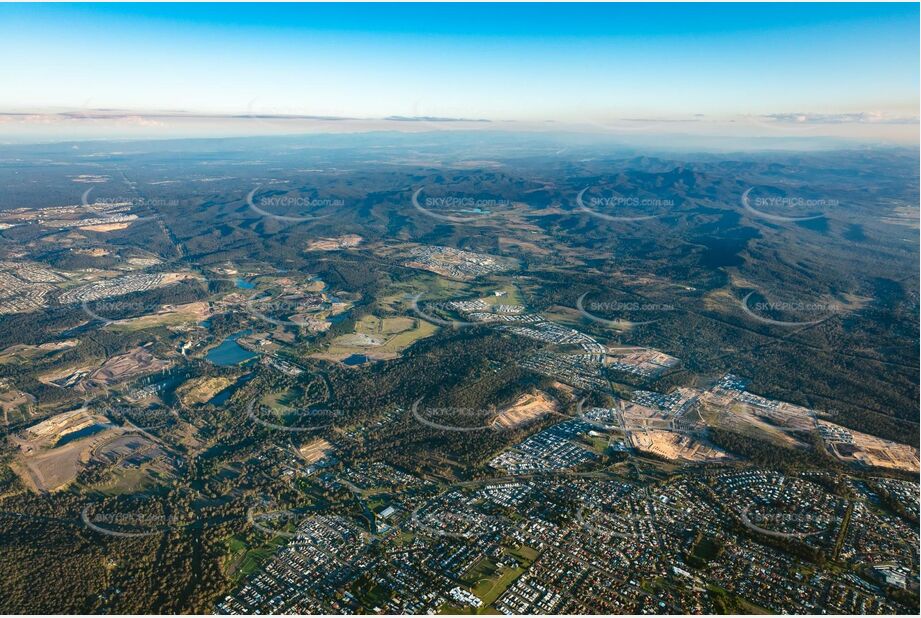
141,71
460,310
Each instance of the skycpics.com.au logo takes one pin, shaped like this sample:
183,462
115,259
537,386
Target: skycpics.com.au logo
809,313
786,209
293,420
267,205
131,517
435,417
457,208
786,525
112,210
468,419
651,312
428,309
623,206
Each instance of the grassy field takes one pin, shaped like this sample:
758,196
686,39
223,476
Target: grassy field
200,390
21,354
282,400
244,560
483,569
127,481
525,553
511,296
396,297
488,581
491,588
182,314
598,444
379,338
16,406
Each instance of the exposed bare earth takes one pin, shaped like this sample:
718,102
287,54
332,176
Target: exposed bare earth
106,227
527,408
13,400
778,423
51,454
856,447
123,366
10,399
168,315
44,467
333,244
315,450
676,447
643,359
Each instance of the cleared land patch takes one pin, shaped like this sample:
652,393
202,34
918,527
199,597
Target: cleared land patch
200,390
52,452
315,450
333,244
676,447
168,315
21,353
861,448
529,407
378,338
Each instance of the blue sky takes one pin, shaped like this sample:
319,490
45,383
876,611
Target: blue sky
610,65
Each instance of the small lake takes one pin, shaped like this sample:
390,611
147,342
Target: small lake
230,352
80,433
243,284
355,359
222,397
